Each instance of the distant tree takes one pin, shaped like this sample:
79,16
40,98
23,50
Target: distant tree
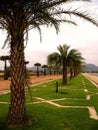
26,62
37,65
5,58
45,67
50,69
78,66
75,62
52,60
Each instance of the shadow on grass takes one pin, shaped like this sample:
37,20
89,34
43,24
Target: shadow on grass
3,126
63,92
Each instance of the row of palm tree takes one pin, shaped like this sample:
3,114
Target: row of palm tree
43,66
65,59
17,17
47,69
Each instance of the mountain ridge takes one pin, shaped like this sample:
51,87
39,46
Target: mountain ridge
88,68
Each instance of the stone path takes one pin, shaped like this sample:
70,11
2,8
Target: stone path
92,111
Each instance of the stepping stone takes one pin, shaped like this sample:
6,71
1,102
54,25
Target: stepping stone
85,90
93,113
88,97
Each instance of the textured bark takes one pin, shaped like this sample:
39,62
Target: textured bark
17,110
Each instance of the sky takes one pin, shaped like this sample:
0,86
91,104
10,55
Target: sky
83,37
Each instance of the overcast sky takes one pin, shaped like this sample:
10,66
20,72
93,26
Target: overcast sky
83,37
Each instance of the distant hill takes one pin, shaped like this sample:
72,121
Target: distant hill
90,68
34,68
87,68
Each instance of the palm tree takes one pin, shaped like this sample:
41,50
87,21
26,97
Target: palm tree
37,65
5,58
17,17
45,67
52,60
78,66
50,69
66,58
75,62
63,57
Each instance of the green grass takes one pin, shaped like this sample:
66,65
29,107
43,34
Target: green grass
49,117
5,97
52,118
47,91
72,102
94,100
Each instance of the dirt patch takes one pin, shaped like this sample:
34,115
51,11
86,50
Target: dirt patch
92,78
5,84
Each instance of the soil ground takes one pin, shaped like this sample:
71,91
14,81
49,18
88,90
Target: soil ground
5,84
92,78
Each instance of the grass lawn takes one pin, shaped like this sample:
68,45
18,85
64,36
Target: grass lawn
50,117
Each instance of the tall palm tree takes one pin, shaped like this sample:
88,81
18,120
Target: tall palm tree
60,58
37,65
63,57
66,58
5,58
17,17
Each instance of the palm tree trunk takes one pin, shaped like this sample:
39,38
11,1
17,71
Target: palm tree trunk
44,71
50,71
17,110
37,71
64,80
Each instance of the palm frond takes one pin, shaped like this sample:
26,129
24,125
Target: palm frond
78,13
6,41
